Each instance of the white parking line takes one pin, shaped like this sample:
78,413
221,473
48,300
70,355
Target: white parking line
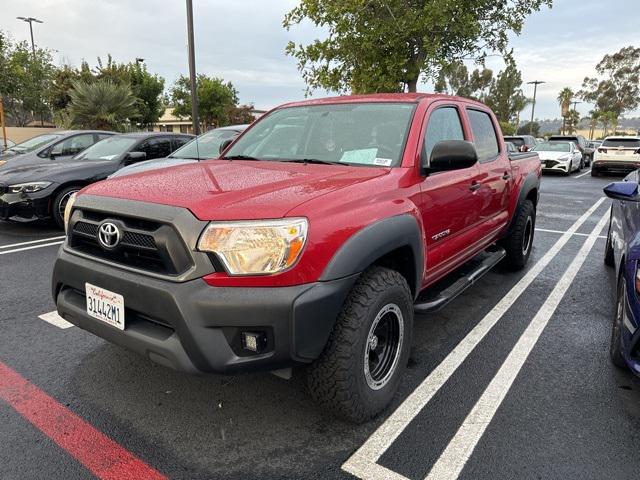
15,250
546,230
363,463
583,174
56,320
455,456
2,247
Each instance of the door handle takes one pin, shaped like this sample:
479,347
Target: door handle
474,186
506,176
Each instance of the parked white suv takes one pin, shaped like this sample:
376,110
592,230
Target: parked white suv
616,153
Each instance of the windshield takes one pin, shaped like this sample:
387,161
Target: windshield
552,147
518,142
107,149
207,146
622,142
368,134
35,142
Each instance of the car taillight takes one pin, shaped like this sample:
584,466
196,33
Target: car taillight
602,150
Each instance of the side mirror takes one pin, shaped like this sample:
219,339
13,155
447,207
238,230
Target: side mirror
135,156
627,191
452,155
225,144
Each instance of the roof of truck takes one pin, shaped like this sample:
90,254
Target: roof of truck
380,97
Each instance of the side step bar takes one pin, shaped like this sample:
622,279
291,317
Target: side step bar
445,290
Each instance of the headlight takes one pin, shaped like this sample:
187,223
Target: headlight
28,187
256,247
67,211
563,158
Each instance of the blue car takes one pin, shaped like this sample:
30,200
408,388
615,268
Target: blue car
622,252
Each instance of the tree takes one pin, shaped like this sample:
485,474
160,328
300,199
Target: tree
564,100
572,120
505,95
215,98
594,118
454,79
102,105
387,45
23,78
528,127
239,115
618,88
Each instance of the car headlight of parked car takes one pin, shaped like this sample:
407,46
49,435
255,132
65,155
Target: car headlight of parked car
564,158
30,187
67,211
256,247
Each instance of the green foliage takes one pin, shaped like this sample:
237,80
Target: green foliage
102,104
617,90
507,128
564,100
505,95
215,100
529,128
454,79
23,78
572,120
386,45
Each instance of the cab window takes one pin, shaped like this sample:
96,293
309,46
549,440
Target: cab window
484,135
444,124
156,147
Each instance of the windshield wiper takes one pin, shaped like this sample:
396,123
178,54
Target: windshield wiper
311,160
239,157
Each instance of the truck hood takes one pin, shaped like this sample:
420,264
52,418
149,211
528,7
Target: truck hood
235,190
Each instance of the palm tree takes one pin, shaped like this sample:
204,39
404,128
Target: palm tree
564,99
594,118
102,104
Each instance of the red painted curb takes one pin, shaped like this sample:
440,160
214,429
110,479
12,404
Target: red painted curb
95,451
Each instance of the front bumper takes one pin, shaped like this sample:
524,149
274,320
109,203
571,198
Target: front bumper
22,205
193,327
563,166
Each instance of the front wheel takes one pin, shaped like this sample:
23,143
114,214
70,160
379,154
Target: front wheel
60,203
359,371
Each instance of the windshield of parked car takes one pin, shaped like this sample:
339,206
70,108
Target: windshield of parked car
364,134
622,142
552,147
518,142
107,149
34,143
205,146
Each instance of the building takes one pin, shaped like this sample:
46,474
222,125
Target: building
170,123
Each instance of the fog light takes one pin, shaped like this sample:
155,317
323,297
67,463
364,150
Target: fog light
254,341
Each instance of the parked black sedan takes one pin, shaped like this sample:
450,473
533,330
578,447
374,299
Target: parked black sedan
42,190
59,145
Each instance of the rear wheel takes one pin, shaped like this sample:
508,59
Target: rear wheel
581,166
60,202
519,242
615,348
359,371
594,172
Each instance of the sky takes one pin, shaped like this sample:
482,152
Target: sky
243,41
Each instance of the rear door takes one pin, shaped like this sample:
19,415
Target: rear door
493,173
447,204
156,147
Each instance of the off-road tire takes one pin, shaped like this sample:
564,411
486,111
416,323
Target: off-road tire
337,379
522,230
615,347
57,213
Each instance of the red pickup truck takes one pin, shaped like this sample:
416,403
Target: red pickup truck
311,241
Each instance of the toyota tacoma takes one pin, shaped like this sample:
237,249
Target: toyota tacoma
311,241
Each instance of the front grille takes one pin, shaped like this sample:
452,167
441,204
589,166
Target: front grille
144,245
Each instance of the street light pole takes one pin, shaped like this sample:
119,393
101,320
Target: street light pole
535,84
192,70
30,21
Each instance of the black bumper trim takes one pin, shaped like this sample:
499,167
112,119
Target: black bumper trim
194,319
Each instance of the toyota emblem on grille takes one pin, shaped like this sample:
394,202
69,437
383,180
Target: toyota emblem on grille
109,235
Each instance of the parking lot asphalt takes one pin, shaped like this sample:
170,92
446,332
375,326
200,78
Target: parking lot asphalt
511,380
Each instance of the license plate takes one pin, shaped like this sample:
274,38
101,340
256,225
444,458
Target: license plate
621,152
105,305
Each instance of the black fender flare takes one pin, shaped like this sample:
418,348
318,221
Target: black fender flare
531,181
374,241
